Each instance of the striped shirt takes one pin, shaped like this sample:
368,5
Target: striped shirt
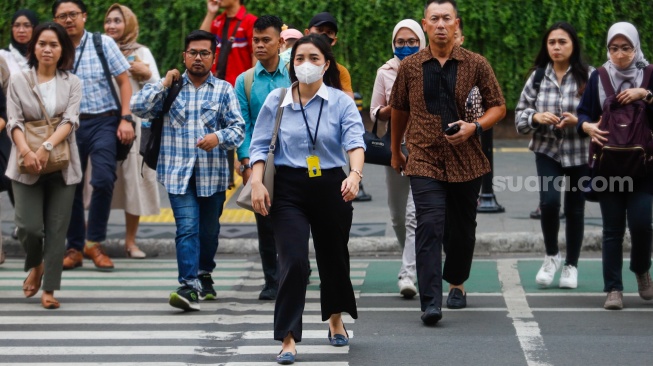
567,147
211,108
97,97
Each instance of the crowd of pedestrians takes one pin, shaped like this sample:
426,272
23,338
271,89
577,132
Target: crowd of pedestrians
252,84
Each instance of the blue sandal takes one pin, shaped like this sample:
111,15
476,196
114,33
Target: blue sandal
338,340
287,358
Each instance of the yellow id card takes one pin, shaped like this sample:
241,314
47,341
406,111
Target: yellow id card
313,163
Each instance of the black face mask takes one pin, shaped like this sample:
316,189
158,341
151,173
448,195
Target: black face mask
328,39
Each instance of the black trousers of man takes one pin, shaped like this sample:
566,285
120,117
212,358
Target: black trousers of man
435,200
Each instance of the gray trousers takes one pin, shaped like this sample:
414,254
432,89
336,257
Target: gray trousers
42,216
404,221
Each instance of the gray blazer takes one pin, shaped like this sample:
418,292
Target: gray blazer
23,105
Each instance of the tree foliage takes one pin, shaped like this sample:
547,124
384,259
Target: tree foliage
507,32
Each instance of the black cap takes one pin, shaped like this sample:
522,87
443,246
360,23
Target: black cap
323,18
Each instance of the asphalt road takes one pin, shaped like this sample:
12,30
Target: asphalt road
122,318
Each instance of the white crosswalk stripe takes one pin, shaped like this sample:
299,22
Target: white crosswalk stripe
122,318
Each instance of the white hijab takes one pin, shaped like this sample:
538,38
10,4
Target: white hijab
631,76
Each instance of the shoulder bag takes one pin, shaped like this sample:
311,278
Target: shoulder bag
245,197
36,132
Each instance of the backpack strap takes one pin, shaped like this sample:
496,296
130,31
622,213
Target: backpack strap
647,76
97,42
249,80
605,81
172,95
537,79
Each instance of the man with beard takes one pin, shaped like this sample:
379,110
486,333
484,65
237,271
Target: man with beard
204,122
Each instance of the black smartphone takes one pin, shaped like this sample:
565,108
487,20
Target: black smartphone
451,130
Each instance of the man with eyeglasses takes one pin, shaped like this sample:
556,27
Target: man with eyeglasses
102,121
446,164
204,122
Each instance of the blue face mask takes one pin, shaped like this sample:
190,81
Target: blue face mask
403,52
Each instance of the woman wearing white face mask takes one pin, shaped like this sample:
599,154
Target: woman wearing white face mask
312,192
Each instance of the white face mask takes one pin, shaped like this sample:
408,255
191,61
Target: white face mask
308,73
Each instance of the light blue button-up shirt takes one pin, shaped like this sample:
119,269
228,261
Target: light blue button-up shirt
210,108
263,84
341,129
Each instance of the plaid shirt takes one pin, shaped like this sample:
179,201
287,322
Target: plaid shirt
568,147
211,108
97,97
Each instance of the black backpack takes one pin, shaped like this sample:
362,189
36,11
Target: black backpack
151,136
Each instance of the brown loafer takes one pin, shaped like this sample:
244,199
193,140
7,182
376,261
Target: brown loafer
72,259
96,254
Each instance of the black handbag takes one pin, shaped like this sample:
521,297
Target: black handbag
378,150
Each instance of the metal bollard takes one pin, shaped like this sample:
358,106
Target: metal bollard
487,201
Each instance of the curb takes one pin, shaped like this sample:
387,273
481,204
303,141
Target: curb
486,243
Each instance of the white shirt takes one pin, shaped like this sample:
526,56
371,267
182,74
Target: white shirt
49,95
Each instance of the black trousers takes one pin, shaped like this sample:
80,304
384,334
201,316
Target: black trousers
434,201
301,206
267,249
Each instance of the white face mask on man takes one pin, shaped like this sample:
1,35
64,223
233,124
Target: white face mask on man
308,73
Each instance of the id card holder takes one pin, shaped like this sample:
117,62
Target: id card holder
313,163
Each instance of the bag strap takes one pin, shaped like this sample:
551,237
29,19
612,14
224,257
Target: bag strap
222,59
537,79
249,81
172,95
32,85
605,81
97,41
647,76
376,122
277,122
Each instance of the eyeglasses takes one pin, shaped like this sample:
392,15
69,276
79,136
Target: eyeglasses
412,42
192,54
22,25
72,15
626,50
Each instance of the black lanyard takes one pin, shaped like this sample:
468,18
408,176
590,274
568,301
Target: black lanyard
308,130
81,54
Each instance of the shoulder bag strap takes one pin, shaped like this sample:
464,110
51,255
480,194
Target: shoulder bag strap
32,85
277,122
97,41
222,59
172,95
647,76
605,81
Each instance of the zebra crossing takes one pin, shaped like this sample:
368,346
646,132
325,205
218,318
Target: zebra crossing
122,318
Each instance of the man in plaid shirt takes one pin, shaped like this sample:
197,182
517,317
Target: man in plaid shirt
203,123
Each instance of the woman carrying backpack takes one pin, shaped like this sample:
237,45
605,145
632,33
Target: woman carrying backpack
632,203
546,109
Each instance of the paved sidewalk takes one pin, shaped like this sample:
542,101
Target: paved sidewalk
511,231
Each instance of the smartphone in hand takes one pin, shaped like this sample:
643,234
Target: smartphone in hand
452,130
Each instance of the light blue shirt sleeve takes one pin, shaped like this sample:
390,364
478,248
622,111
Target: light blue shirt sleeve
262,133
351,124
148,102
243,149
116,60
232,126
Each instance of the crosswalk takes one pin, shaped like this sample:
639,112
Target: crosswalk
122,318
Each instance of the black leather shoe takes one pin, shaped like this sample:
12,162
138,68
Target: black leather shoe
456,299
432,315
268,293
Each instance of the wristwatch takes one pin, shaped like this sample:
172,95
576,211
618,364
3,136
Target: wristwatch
649,96
244,167
127,117
47,145
479,128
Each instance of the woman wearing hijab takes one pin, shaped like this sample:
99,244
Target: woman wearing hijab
407,39
22,24
134,192
631,203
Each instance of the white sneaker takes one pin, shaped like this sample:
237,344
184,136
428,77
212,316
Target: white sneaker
569,277
407,287
548,270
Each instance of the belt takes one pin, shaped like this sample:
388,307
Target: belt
98,115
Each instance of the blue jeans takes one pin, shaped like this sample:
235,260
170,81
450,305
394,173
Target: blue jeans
198,227
616,209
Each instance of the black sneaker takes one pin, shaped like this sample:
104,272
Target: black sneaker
268,293
185,298
207,293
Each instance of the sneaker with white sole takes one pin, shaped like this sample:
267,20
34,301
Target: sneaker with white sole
185,298
548,270
569,277
644,286
407,287
614,301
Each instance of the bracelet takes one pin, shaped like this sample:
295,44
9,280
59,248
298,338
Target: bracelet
24,155
357,171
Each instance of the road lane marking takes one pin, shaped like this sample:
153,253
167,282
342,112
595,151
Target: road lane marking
527,329
140,294
170,283
158,334
175,317
329,363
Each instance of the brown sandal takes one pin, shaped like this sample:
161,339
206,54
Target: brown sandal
50,303
29,293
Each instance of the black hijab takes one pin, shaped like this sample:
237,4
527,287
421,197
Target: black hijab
33,18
